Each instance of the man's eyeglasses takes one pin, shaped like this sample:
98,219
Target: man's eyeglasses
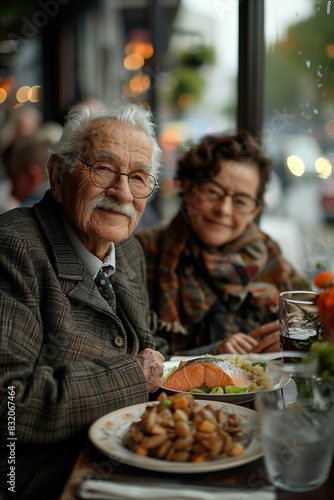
241,203
106,175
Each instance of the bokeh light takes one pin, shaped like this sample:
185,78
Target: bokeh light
23,93
324,167
170,138
295,165
3,95
35,94
133,62
329,127
144,49
137,85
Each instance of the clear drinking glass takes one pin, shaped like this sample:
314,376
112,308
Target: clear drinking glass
299,321
297,429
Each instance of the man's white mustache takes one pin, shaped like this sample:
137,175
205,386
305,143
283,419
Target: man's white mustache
108,204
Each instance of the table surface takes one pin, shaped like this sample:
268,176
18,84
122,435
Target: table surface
253,475
92,462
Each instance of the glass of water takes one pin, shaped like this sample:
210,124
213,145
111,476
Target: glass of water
299,321
297,429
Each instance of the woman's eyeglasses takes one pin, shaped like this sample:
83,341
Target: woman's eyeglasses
241,203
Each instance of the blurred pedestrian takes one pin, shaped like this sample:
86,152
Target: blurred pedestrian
26,169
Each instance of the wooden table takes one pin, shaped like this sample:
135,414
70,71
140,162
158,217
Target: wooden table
91,461
253,474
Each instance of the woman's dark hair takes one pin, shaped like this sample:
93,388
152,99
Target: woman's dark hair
202,162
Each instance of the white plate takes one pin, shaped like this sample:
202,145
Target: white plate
107,432
279,378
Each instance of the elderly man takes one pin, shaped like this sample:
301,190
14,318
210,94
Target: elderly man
72,348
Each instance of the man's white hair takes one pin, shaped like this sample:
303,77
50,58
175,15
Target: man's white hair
74,137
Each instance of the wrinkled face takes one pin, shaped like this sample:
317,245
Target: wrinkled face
216,221
98,215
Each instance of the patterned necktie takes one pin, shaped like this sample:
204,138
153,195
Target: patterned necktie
105,288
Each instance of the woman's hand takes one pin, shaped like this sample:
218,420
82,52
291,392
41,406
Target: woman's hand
265,338
238,343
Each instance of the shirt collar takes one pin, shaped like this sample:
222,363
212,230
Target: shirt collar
90,260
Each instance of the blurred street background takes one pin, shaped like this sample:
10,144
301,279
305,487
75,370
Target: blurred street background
201,66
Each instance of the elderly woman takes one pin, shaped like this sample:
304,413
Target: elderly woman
214,277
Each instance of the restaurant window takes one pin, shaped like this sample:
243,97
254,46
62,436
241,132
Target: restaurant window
298,121
179,57
197,91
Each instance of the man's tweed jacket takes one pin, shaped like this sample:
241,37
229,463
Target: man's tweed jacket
67,355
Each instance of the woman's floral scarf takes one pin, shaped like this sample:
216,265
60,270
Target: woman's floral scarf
192,277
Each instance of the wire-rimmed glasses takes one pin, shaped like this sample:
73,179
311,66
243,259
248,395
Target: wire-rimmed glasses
241,203
104,174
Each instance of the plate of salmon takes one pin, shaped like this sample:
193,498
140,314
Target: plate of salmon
230,378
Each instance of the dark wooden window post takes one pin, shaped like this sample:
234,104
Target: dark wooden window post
251,66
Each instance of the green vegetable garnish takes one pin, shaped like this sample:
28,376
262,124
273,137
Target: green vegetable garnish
200,390
168,374
217,390
325,354
234,389
230,389
263,365
167,402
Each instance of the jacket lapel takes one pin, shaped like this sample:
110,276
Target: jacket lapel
71,272
74,276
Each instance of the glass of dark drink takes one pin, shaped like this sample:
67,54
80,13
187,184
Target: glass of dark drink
300,325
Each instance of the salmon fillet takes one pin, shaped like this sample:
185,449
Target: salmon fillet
207,372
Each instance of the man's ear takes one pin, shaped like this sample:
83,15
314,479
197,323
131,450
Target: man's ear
54,166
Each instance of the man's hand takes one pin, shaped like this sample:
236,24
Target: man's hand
152,364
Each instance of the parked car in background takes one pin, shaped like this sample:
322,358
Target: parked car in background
297,155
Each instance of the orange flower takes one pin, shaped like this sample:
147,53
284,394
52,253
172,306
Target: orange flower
323,279
325,303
